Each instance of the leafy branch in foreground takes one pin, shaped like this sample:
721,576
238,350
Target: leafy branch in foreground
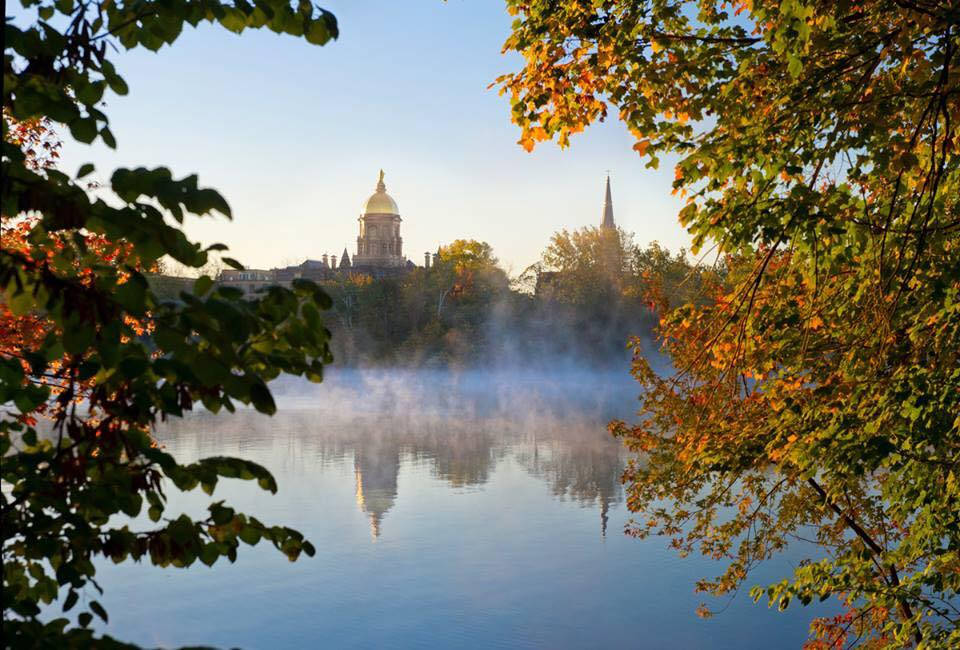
90,357
817,389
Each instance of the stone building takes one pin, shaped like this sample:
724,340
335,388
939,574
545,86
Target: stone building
250,280
379,243
379,251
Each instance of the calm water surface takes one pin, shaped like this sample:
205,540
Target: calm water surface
473,510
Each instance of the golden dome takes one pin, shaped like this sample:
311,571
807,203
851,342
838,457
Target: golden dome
380,202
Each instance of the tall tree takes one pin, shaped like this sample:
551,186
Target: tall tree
105,358
817,389
589,264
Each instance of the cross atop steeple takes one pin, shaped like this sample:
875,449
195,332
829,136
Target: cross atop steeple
608,207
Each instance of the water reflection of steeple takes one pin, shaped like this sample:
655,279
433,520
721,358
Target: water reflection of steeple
604,517
376,467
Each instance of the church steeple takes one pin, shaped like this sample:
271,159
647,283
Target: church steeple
608,208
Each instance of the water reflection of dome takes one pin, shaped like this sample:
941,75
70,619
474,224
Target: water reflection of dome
375,470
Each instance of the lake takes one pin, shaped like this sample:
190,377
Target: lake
471,510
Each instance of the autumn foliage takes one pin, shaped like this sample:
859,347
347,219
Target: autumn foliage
816,393
91,357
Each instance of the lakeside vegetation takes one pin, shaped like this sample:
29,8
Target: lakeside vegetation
591,292
579,305
816,393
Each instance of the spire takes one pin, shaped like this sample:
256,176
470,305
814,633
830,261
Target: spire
345,260
381,187
608,208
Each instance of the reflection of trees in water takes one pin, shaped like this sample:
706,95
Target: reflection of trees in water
461,446
585,469
462,460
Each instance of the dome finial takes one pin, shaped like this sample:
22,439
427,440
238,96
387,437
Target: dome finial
380,202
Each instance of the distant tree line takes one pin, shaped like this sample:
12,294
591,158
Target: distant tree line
582,301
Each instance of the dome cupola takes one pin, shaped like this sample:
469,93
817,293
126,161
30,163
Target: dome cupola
380,202
379,244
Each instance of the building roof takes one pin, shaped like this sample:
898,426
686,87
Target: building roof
380,202
608,208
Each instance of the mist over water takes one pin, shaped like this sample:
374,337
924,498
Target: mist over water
513,393
448,509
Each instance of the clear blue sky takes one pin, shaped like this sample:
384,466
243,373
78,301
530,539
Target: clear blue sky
294,135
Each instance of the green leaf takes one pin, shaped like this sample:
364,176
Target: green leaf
794,66
221,515
233,20
317,33
84,130
210,553
250,535
78,337
71,600
262,399
98,610
91,93
202,285
107,136
132,294
133,367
